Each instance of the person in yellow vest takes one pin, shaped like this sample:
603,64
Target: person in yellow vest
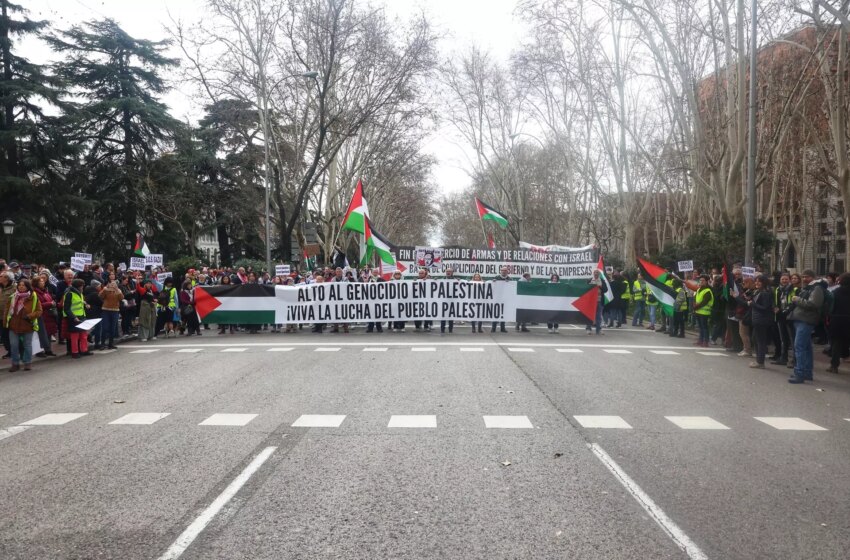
703,304
664,320
680,310
21,319
638,294
167,312
74,313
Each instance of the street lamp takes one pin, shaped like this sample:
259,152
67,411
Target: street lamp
264,109
8,229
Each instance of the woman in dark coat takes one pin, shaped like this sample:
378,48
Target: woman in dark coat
763,318
839,322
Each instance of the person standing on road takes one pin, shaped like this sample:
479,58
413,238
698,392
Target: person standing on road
639,297
166,309
111,296
761,306
806,314
375,325
839,322
450,276
781,301
397,326
502,277
21,320
419,325
47,320
703,305
596,280
339,277
147,311
7,291
553,327
477,278
74,313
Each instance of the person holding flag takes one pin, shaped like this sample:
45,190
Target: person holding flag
598,279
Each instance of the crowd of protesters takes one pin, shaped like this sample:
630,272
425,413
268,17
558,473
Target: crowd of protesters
769,319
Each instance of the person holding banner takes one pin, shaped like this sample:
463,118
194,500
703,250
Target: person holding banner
502,277
419,325
553,327
475,278
596,280
375,325
21,320
74,313
397,326
450,275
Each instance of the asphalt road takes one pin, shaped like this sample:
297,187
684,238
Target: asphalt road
419,445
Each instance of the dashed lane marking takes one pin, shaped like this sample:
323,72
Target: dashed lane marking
228,420
141,418
508,422
421,421
790,423
616,351
55,419
612,422
189,350
375,349
665,352
319,421
696,423
712,354
234,349
569,350
327,349
463,349
9,432
517,349
280,349
145,351
423,349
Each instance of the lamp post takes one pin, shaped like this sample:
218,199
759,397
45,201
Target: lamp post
750,221
263,106
8,229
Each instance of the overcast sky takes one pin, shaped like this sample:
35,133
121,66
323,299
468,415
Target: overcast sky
487,23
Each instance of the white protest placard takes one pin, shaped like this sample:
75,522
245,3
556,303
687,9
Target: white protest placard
122,267
78,264
137,263
86,257
154,259
281,270
162,276
609,270
388,268
87,325
686,266
748,272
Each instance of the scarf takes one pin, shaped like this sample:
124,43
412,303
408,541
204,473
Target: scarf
20,298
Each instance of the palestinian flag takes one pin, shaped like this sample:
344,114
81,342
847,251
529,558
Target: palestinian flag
489,213
379,244
358,211
309,263
140,248
609,294
570,301
730,288
246,304
656,277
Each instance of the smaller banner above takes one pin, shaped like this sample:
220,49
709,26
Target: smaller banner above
554,248
281,270
748,272
686,266
85,257
78,264
162,276
153,260
137,263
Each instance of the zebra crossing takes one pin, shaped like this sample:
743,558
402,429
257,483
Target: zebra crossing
495,422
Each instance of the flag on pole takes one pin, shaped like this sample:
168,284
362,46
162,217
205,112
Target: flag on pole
730,288
140,249
655,279
376,243
358,211
489,213
609,295
309,263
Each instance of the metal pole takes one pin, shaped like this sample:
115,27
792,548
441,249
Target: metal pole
266,140
751,164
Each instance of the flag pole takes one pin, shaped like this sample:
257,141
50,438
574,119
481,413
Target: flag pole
484,231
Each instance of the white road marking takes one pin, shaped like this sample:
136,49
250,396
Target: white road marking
110,351
200,523
234,349
569,350
145,351
520,349
327,349
189,350
463,349
423,349
507,422
424,421
789,423
603,422
55,419
2,415
9,432
228,419
696,423
673,531
665,352
374,349
616,351
432,343
280,349
713,354
319,421
141,418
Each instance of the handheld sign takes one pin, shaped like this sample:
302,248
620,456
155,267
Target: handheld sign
122,267
137,263
609,270
78,264
748,272
85,257
162,276
686,266
154,259
281,270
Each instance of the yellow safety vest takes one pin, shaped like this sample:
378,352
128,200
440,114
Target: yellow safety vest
78,305
705,309
9,315
638,291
